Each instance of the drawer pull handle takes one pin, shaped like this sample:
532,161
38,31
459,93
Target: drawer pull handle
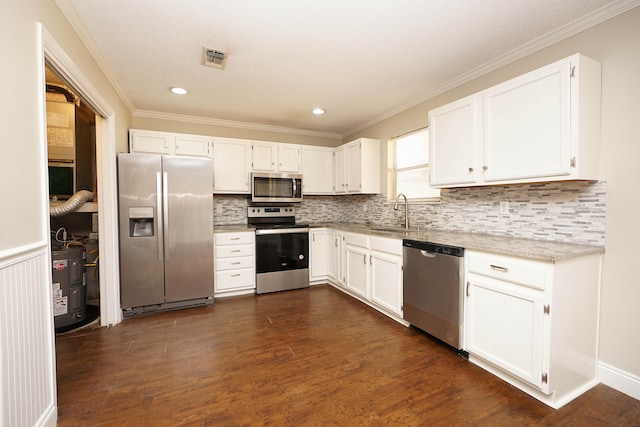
234,238
497,267
235,263
236,250
235,275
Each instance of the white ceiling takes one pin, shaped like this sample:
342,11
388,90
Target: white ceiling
361,60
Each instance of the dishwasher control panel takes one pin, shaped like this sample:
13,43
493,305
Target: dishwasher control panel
434,247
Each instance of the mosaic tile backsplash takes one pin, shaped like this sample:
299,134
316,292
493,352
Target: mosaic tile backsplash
571,212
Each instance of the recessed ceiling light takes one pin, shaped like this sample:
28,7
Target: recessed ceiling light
179,90
318,111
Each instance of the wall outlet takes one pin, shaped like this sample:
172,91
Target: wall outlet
504,208
218,209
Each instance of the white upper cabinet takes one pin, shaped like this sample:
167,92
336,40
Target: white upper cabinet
191,145
264,156
143,141
289,158
172,144
339,165
456,129
357,167
275,157
231,166
541,126
317,170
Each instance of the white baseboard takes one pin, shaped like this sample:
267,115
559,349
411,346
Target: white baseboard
622,381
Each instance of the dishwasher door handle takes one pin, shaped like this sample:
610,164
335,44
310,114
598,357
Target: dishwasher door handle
427,253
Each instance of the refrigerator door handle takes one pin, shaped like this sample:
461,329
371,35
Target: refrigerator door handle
165,214
159,214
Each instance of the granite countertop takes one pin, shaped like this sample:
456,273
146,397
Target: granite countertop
232,228
540,250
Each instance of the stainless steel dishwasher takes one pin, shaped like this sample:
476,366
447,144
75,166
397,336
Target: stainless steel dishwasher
432,289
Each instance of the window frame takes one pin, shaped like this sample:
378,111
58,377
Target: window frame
394,170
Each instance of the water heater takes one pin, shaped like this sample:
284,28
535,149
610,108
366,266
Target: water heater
68,285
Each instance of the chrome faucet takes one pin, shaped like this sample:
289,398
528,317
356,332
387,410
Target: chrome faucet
406,209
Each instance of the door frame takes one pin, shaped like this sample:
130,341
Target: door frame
110,312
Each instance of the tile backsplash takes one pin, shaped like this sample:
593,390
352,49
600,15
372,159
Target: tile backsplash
572,212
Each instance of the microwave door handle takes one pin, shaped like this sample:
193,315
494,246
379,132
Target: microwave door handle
295,187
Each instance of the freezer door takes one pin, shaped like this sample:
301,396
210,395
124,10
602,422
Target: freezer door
141,252
188,212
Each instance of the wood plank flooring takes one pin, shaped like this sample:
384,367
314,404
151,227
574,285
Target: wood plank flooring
310,357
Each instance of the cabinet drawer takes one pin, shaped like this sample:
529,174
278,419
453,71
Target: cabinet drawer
361,240
234,238
234,263
517,270
235,279
392,246
234,251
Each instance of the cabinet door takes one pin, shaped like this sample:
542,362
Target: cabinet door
339,165
357,273
386,281
151,142
454,131
264,156
353,167
231,166
317,170
187,145
504,326
288,158
527,125
332,256
318,253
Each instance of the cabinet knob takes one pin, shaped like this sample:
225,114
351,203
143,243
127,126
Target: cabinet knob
470,169
484,168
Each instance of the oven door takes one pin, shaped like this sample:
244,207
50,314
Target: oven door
276,187
282,249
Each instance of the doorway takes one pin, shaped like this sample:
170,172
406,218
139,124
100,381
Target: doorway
73,214
105,175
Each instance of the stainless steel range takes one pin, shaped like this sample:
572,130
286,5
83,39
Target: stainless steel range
282,248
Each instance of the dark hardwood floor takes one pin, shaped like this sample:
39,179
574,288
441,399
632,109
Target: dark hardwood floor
311,357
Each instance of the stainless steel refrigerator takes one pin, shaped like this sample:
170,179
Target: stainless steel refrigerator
166,232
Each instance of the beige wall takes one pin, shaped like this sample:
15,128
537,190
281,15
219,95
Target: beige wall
616,44
22,163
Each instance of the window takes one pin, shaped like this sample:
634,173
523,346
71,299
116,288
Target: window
411,166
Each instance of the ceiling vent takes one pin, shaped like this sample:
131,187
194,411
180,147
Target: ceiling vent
213,58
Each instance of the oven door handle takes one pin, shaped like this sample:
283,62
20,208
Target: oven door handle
281,231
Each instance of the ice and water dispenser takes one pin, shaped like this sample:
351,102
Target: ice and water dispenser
141,220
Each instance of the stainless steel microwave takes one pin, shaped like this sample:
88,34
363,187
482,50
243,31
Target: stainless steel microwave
276,187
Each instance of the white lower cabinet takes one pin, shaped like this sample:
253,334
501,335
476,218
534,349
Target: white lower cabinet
505,327
234,255
533,323
318,254
335,256
366,267
374,271
386,274
356,254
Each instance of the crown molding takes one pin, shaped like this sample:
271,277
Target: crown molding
233,124
590,20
